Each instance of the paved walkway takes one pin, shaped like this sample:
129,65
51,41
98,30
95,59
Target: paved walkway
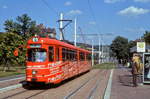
122,87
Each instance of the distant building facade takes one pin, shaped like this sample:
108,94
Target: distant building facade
50,32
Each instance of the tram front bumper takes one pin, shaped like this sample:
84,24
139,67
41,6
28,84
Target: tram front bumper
36,79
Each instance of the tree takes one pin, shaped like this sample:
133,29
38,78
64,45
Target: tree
130,45
8,43
119,47
11,26
23,26
17,33
146,37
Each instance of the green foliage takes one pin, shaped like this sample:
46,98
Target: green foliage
12,71
146,37
104,66
23,26
11,26
119,47
131,44
17,33
8,43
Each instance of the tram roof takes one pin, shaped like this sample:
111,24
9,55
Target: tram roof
56,42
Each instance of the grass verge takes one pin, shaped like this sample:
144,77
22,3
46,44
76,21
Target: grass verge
11,72
104,66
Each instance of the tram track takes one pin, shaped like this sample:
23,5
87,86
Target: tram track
51,92
91,94
33,93
77,90
23,91
72,92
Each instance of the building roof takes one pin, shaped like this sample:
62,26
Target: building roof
134,49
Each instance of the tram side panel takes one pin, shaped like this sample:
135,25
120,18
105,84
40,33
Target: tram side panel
59,63
70,64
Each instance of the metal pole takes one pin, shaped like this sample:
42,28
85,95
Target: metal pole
99,52
61,26
92,54
75,32
102,53
101,49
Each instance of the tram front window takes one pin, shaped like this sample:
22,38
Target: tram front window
36,55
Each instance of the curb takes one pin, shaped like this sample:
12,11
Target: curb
12,79
108,88
10,88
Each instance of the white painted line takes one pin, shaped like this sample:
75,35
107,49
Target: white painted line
12,79
108,89
10,88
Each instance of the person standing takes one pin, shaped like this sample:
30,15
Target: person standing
135,68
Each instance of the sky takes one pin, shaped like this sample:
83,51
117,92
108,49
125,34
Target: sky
127,18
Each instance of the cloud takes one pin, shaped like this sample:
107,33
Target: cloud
68,3
4,7
112,1
143,1
92,23
74,12
133,11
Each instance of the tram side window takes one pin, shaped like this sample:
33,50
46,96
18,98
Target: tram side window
71,55
82,56
89,56
57,54
75,55
51,54
68,54
86,56
64,54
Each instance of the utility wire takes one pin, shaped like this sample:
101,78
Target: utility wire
93,15
82,35
50,7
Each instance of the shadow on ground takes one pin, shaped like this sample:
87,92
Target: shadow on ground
126,80
43,86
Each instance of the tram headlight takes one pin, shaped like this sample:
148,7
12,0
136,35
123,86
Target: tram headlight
34,72
35,39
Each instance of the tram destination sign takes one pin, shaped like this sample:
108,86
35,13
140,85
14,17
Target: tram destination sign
35,45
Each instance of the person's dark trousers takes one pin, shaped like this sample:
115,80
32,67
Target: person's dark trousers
134,80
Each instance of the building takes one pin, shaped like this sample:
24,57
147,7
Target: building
50,32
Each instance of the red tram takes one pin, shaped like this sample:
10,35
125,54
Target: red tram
52,61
